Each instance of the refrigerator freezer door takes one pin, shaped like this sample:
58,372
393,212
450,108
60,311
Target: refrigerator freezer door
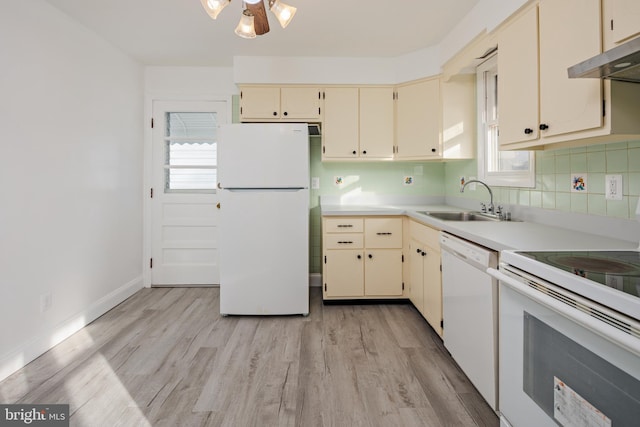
258,155
264,252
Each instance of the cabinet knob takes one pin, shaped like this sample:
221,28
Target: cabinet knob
364,152
370,256
423,253
418,251
433,150
544,126
275,113
359,256
286,114
354,152
528,131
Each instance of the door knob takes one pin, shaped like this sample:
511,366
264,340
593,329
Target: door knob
218,205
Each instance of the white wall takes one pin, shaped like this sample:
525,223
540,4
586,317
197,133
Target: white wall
189,81
70,178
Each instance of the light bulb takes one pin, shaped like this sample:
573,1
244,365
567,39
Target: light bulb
283,12
214,7
246,28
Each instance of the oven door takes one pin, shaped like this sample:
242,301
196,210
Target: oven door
560,366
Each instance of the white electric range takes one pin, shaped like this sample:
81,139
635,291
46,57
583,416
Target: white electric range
569,340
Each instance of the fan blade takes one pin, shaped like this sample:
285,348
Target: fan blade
260,21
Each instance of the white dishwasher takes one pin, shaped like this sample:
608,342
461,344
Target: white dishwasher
470,312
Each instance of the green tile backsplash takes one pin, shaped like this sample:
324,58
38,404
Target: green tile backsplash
555,170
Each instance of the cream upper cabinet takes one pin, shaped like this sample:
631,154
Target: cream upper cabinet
418,120
570,111
569,33
270,103
518,79
358,123
376,122
621,22
340,133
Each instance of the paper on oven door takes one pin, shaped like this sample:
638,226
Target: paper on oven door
571,410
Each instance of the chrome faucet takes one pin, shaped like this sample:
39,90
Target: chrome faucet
490,208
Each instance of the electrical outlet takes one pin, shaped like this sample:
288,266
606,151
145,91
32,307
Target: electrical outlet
613,187
315,183
45,302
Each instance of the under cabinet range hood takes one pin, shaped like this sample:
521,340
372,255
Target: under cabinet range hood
620,63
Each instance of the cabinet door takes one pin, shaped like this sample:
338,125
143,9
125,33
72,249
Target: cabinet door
569,33
418,120
376,122
518,79
625,19
300,103
383,272
416,274
340,127
433,289
344,273
260,103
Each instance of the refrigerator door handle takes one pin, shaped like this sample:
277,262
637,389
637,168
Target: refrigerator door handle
288,189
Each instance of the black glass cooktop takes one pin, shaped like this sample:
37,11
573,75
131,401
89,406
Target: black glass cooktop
616,269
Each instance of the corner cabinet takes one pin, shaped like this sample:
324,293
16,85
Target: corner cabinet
538,104
362,257
271,103
436,119
358,123
425,275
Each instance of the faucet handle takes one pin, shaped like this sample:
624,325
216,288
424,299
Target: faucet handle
483,207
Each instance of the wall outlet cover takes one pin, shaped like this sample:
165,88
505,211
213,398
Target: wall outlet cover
613,187
315,183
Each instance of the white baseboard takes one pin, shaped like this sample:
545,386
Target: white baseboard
315,280
35,347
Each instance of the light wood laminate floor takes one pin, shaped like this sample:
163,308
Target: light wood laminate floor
165,357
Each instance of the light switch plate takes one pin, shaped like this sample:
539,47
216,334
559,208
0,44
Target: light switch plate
613,187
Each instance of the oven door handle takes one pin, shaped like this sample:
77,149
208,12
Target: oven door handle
601,328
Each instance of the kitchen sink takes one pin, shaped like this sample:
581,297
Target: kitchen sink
461,216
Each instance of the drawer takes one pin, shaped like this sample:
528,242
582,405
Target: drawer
383,233
343,225
425,235
344,241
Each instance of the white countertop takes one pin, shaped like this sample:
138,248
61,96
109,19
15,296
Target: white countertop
496,235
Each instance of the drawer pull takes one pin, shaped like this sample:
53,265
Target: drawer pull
346,242
345,225
384,234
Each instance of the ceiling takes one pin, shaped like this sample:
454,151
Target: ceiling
180,33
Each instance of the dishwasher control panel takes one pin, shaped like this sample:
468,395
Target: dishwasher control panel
469,251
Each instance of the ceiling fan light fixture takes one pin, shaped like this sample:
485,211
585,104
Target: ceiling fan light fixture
283,12
214,7
246,28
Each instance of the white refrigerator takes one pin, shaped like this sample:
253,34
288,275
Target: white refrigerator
263,181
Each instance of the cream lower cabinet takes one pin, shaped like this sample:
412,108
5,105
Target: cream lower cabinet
362,257
425,276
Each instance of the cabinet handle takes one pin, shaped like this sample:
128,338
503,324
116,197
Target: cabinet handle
346,242
384,234
364,152
424,253
286,114
359,256
345,225
370,256
275,113
528,131
354,152
544,126
418,251
433,150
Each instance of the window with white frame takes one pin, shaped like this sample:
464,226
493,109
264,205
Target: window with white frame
495,167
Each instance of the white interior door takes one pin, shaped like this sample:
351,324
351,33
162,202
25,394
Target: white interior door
184,214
